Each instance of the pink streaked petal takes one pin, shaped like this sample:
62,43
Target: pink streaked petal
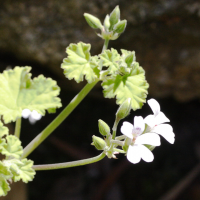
150,120
139,125
166,131
146,154
127,129
161,118
148,138
134,154
155,107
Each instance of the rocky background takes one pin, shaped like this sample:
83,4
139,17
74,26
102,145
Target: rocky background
166,37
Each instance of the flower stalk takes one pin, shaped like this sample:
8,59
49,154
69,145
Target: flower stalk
69,164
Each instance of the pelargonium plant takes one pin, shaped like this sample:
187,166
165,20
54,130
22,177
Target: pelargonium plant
121,77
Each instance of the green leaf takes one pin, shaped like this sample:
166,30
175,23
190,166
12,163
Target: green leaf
3,130
79,63
110,59
18,91
5,175
132,85
12,147
21,169
4,187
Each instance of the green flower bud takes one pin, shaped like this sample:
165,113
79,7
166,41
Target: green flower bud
106,23
93,21
124,109
114,16
129,59
120,27
98,142
104,129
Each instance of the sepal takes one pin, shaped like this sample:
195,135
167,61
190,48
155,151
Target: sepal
93,21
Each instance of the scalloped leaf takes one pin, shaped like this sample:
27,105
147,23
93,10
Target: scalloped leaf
12,147
5,174
3,130
132,85
110,59
21,170
18,92
79,63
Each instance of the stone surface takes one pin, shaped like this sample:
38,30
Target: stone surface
164,34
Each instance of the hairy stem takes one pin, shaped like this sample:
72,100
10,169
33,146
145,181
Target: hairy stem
18,127
58,120
69,164
62,116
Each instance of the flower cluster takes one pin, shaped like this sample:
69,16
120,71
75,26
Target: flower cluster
145,132
32,116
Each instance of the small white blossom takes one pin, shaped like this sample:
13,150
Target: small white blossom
155,122
32,116
137,150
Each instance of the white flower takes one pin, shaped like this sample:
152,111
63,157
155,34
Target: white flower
137,150
155,122
32,116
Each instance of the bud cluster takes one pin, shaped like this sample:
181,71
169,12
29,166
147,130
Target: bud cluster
109,144
112,27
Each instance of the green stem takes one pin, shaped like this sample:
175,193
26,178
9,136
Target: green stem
69,164
120,143
58,120
119,150
105,46
18,127
121,137
115,129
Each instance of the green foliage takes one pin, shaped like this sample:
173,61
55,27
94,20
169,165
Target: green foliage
18,91
12,147
12,167
21,169
5,176
3,130
127,79
110,59
79,63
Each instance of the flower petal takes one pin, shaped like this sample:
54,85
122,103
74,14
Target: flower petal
35,115
161,118
166,131
133,154
138,125
26,113
127,129
150,120
148,138
155,106
146,154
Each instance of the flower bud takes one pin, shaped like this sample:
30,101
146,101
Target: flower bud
106,23
98,142
114,16
104,129
129,59
124,109
120,27
93,21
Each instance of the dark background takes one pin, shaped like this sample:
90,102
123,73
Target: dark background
165,35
